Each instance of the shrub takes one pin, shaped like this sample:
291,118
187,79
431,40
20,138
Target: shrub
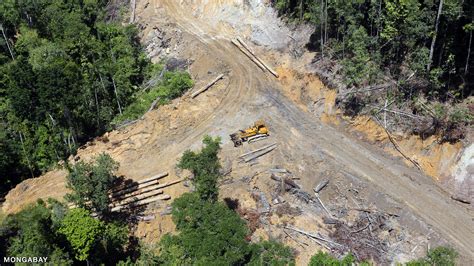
205,167
90,183
173,85
439,256
31,233
272,253
81,231
324,259
209,232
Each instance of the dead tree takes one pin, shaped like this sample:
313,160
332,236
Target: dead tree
433,41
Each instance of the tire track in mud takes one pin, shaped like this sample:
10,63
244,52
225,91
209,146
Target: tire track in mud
425,199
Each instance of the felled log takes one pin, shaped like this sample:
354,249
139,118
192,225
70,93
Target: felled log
279,170
138,191
143,202
145,218
258,154
257,58
314,236
462,200
322,204
153,104
321,185
245,46
158,176
286,181
254,151
248,55
132,15
167,184
207,86
136,185
137,198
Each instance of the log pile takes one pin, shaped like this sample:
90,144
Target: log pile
126,196
140,193
250,156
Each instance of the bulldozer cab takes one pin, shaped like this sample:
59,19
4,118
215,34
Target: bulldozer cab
258,130
261,128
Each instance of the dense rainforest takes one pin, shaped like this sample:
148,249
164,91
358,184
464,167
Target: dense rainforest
416,54
67,73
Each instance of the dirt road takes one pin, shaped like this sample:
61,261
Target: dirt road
253,94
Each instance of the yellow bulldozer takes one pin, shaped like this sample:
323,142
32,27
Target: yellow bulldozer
257,131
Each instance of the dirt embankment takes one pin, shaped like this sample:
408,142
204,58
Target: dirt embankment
441,161
395,208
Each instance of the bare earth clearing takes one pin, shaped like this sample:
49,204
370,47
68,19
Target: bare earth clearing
413,211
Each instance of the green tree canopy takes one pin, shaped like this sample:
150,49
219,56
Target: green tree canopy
91,182
81,231
205,167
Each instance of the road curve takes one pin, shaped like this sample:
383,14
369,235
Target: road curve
424,198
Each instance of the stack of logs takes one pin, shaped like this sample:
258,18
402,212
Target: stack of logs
140,193
252,155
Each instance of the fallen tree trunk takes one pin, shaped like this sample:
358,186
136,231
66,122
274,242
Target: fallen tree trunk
137,198
285,180
132,15
153,105
136,184
258,154
246,46
322,205
313,236
248,55
254,151
138,191
321,185
207,86
257,58
133,189
462,200
143,202
145,218
167,184
415,163
279,170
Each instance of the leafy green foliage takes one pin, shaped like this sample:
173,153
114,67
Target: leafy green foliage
147,257
272,253
393,37
438,256
90,183
31,232
82,231
324,259
205,167
71,72
173,85
359,69
209,232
